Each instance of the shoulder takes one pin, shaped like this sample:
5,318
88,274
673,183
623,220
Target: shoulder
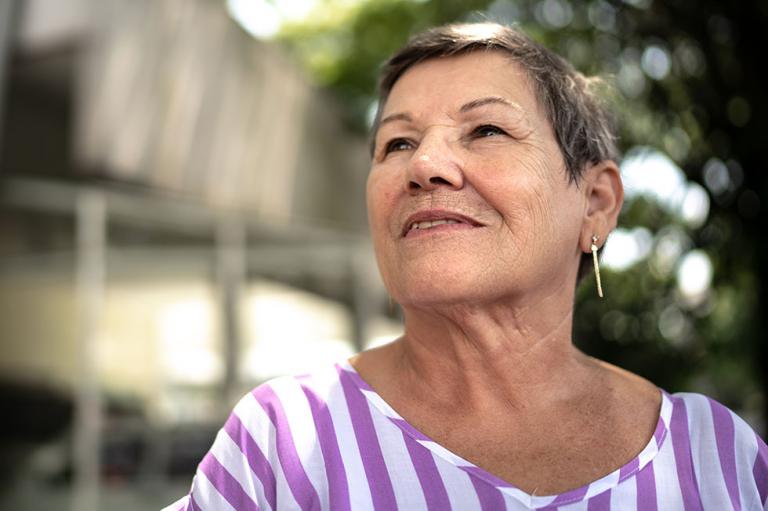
288,399
270,437
721,444
701,415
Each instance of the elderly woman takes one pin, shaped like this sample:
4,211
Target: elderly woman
493,183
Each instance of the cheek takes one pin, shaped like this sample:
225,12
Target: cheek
528,205
519,193
379,200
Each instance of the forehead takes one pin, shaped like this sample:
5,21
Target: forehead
445,83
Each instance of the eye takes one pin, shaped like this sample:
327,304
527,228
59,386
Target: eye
397,144
487,130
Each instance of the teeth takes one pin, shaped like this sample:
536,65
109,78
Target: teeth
432,223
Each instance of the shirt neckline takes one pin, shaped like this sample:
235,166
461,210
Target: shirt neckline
584,492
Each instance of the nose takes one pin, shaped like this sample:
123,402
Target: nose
433,165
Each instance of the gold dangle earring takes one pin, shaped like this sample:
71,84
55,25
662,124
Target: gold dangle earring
593,248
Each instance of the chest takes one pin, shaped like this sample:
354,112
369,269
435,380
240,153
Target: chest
541,455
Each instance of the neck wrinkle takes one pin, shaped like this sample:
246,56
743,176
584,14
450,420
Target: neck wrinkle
484,357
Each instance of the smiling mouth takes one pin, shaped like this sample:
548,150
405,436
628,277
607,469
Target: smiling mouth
428,224
437,221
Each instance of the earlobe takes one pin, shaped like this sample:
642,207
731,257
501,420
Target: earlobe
604,199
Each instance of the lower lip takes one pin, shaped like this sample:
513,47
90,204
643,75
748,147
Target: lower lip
438,229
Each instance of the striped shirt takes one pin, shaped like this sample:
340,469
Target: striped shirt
328,441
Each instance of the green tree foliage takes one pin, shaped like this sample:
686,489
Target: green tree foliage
688,81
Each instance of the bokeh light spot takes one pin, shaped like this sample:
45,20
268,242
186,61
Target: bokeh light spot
554,13
738,111
694,209
716,176
694,276
655,62
625,248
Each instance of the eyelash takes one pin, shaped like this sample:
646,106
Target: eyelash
476,133
497,131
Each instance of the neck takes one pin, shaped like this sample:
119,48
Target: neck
486,354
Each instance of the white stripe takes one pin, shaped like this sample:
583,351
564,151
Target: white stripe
379,403
299,416
461,492
624,496
575,506
668,495
513,503
259,425
602,484
706,462
528,500
650,450
229,455
326,382
746,453
647,455
666,410
207,496
445,453
405,481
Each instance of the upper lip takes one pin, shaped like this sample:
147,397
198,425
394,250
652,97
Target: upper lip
430,215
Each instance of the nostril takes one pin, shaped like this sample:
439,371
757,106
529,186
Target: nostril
429,184
437,180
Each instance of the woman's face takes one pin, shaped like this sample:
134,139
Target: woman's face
468,198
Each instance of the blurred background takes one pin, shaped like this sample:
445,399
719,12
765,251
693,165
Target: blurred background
182,214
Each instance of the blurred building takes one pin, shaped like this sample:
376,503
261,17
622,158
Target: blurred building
181,217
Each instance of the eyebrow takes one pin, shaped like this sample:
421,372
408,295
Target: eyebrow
490,100
395,117
466,107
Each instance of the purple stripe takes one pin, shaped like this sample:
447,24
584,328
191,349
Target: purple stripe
254,456
184,504
415,433
629,469
338,489
660,433
646,489
570,496
725,439
487,476
368,443
490,497
600,502
760,469
300,485
356,379
227,485
431,483
193,504
681,444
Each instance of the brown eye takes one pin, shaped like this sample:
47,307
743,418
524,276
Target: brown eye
398,144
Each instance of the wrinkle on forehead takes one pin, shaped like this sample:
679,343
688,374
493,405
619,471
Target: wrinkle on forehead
474,69
466,109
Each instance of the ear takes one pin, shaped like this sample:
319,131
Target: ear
604,195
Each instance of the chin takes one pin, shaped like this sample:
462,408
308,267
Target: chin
443,288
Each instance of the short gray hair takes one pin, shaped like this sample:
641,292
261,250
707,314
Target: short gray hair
583,128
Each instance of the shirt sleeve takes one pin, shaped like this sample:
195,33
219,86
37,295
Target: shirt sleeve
743,457
760,471
182,504
236,473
